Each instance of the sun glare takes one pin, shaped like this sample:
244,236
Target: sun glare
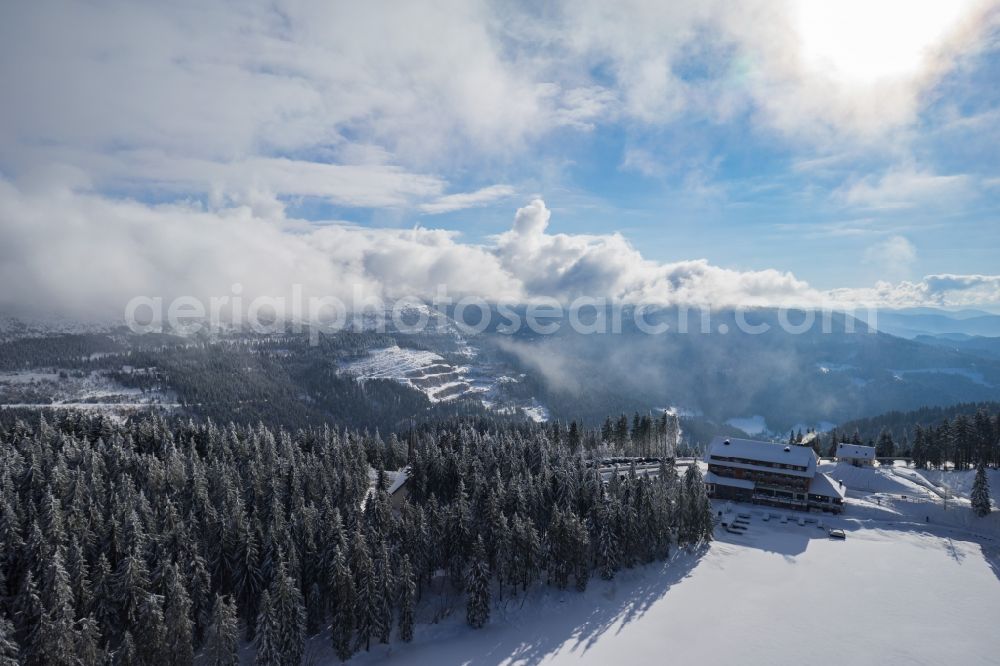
869,40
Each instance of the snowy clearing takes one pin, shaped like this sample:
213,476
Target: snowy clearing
898,590
779,594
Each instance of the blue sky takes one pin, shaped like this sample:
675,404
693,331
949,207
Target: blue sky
803,149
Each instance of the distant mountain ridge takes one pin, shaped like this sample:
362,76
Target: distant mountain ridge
717,374
927,322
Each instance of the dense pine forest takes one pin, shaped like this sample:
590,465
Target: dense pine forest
963,435
154,541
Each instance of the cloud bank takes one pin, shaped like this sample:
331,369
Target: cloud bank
85,255
155,149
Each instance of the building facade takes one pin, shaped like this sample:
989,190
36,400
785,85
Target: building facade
777,475
856,454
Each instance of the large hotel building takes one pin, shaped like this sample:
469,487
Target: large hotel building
777,475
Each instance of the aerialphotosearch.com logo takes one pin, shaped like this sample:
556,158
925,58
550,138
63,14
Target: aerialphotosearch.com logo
585,315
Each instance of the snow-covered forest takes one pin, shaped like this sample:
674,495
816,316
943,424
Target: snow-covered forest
155,541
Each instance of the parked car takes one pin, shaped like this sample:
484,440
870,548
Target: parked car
837,534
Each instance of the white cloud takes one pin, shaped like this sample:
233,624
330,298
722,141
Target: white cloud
904,187
894,257
933,290
76,254
423,87
642,161
481,197
247,105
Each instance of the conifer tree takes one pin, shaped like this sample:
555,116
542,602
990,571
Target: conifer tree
127,654
222,636
477,611
151,631
315,609
382,604
607,542
28,612
981,492
56,638
290,615
129,585
177,619
267,639
407,591
9,652
343,603
88,642
103,605
366,597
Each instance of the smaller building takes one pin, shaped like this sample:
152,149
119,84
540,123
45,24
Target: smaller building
399,490
856,454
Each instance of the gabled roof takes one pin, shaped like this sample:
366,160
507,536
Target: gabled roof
848,450
726,481
397,483
823,484
766,452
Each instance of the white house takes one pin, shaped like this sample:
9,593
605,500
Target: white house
856,454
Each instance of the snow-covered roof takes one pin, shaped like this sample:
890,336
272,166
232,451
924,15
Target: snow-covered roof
764,452
726,481
823,484
848,450
397,483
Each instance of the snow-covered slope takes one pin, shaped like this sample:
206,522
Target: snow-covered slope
440,379
780,594
423,370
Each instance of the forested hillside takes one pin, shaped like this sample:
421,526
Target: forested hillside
148,542
279,380
964,435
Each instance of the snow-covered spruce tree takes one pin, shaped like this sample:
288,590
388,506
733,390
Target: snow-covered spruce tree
696,519
478,600
9,653
407,592
200,587
28,612
79,576
382,605
290,615
558,551
56,639
267,640
365,585
102,605
502,553
88,641
527,549
315,609
151,632
459,535
607,541
130,587
177,619
222,635
981,492
342,606
582,560
126,653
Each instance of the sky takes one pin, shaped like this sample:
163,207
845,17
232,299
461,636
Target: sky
736,153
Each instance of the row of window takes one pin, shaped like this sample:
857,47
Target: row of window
759,463
792,482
